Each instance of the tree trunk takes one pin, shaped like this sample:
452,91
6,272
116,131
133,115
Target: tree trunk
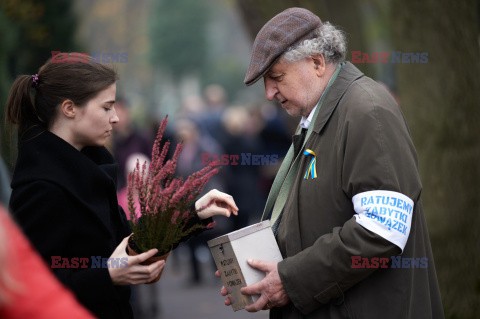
442,104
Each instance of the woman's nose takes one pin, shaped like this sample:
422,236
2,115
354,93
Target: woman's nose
115,118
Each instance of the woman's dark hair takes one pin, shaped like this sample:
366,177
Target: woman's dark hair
57,81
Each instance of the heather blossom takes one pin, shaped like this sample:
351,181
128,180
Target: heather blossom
165,202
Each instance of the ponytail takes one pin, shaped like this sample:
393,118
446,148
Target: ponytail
20,109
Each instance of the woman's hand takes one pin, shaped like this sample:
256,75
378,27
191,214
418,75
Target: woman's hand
215,203
131,272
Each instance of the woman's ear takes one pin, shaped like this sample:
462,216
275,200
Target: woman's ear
68,108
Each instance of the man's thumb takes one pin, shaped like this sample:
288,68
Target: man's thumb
258,264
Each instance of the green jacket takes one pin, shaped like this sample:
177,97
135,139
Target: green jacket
362,144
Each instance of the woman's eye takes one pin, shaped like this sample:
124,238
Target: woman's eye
107,108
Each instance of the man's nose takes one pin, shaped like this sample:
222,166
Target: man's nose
270,89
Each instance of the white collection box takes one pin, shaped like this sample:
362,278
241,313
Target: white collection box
231,252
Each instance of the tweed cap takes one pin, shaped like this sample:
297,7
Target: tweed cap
276,36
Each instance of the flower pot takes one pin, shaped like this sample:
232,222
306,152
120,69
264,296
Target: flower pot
133,250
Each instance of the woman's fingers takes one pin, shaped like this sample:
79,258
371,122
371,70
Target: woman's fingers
218,211
217,197
144,256
159,265
216,203
135,273
146,273
152,268
120,250
140,278
221,204
227,199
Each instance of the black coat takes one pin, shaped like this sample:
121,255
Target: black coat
66,203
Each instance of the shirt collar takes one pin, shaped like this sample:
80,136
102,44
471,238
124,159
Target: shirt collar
305,121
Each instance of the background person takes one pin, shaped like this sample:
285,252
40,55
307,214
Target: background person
194,145
127,140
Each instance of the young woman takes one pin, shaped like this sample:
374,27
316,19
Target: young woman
63,186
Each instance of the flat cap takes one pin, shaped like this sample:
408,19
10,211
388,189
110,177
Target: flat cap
276,36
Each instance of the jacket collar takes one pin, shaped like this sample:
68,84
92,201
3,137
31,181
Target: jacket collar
348,74
89,175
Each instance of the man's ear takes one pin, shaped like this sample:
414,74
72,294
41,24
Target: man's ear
68,108
319,64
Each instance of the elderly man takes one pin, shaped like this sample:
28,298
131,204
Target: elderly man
345,205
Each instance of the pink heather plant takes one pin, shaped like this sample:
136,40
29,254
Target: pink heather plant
165,202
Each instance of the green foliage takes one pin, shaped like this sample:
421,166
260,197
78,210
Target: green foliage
227,71
156,231
29,31
178,36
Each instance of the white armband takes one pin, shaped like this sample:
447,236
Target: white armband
386,213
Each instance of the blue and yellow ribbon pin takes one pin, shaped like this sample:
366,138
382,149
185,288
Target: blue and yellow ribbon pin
311,170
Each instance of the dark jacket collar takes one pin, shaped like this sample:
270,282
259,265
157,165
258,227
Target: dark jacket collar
89,175
348,74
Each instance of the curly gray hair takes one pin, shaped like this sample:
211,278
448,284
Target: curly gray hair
328,41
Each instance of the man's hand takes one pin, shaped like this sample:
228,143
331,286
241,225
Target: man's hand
271,290
223,291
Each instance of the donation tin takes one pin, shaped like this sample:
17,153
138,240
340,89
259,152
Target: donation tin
231,252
